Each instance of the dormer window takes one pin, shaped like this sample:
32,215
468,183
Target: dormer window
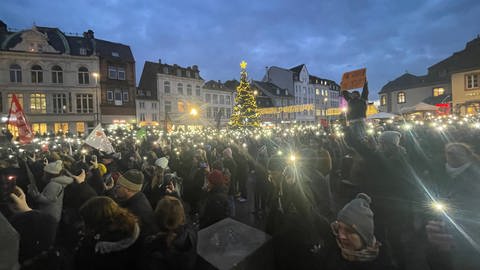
83,51
115,54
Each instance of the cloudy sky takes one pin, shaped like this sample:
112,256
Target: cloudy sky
330,37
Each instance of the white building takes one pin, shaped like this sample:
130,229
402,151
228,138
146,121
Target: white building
327,95
53,77
177,89
219,100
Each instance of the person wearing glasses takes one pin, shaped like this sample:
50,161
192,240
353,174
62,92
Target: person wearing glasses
354,233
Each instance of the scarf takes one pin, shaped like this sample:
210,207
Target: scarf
454,172
367,254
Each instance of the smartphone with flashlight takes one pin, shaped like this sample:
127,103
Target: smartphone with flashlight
8,182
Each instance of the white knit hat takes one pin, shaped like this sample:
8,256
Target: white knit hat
162,162
53,167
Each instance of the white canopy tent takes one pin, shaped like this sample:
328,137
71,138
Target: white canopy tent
382,115
420,107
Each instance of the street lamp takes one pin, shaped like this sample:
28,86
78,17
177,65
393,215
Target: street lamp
97,114
255,93
193,112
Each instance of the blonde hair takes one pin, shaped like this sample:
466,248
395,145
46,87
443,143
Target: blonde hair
169,216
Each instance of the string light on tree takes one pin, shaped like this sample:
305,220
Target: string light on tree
245,114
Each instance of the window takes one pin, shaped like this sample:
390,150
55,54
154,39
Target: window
208,98
189,90
229,112
60,128
154,106
112,72
109,95
317,92
57,74
383,100
222,99
168,106
141,104
38,103
121,73
472,80
154,117
117,95
181,106
59,103
115,54
166,87
304,100
149,93
83,51
84,103
215,99
39,128
438,91
180,88
197,90
209,112
19,97
80,127
401,97
142,117
227,100
37,74
125,96
83,77
15,73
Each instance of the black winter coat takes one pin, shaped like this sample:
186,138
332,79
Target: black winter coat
216,207
140,207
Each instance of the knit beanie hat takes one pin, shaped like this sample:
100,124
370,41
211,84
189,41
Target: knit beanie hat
459,152
390,137
53,167
162,162
132,179
359,216
216,178
102,169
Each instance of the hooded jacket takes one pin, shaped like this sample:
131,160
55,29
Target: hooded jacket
50,200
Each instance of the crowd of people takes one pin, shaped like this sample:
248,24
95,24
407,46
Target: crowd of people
397,195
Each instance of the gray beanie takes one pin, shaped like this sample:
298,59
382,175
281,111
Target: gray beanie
53,167
359,216
132,179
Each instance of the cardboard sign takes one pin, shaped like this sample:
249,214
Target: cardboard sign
354,79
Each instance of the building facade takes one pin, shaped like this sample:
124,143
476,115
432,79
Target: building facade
219,99
452,81
327,96
271,95
52,75
178,90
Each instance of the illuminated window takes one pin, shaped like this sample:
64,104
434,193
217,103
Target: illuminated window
38,103
401,98
57,74
19,98
60,128
59,103
15,74
80,127
438,91
83,77
39,128
472,80
37,74
180,88
166,87
383,100
189,90
181,106
84,103
317,91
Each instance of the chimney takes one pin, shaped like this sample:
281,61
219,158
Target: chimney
3,27
89,34
195,67
160,61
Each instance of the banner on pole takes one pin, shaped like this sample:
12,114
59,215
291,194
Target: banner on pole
16,117
98,140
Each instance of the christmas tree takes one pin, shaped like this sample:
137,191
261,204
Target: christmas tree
245,110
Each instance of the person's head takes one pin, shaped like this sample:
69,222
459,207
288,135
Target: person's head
354,225
169,216
105,217
128,184
275,167
459,154
227,153
216,178
355,95
52,170
389,139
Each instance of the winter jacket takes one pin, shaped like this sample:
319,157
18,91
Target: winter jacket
357,108
216,207
50,200
180,256
104,255
335,261
10,245
140,207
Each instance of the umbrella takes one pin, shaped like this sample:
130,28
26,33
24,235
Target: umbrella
382,115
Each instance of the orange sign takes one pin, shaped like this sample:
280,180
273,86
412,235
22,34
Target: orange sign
354,79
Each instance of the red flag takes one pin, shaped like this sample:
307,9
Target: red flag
16,117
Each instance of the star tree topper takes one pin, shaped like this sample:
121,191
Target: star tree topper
243,64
